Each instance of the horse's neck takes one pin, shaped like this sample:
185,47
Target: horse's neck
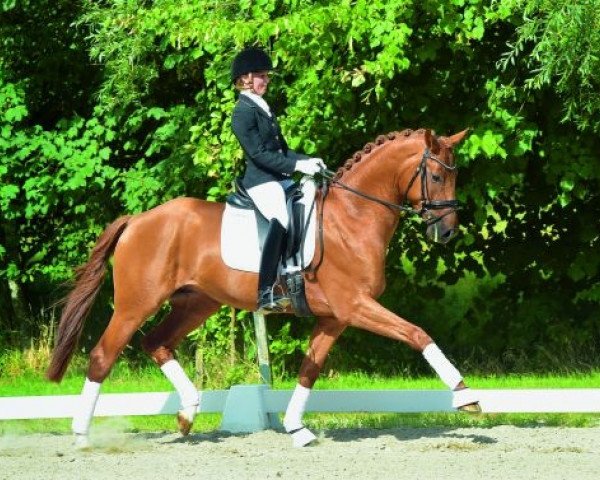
375,175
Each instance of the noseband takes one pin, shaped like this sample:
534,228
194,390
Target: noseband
426,204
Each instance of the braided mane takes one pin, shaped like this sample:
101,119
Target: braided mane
369,147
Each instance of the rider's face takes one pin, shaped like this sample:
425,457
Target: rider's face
260,82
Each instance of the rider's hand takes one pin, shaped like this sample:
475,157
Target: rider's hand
310,166
320,162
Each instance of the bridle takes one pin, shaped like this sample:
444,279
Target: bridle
426,204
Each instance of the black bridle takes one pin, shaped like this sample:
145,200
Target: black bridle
426,204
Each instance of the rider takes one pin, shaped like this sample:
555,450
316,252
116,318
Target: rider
269,163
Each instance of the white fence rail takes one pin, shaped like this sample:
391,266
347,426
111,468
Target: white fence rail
249,407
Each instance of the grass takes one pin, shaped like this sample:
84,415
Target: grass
121,380
150,379
124,379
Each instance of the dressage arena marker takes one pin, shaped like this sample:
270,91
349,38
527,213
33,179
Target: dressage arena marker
250,408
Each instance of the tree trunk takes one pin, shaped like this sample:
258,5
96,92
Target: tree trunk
7,314
13,306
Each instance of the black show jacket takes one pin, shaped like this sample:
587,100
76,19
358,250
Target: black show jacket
267,155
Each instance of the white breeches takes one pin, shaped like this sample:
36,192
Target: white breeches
269,198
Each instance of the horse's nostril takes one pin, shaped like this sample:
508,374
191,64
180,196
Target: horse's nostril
447,235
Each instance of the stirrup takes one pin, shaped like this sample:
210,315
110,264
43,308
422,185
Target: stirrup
269,302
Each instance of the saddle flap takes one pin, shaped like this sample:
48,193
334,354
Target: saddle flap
244,228
293,194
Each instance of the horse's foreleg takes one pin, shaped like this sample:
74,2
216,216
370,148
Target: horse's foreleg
323,337
189,310
368,314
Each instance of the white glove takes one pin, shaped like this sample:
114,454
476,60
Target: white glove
310,166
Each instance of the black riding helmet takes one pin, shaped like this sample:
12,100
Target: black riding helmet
251,59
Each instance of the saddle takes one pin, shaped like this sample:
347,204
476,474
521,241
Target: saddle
296,211
244,230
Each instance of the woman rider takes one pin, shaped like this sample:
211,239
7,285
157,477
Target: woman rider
269,163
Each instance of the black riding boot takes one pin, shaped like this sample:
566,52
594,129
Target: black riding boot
268,300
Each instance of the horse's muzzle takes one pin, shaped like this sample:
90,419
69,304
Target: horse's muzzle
440,233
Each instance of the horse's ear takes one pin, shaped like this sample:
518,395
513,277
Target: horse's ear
456,139
431,141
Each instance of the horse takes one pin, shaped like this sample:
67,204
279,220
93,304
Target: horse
171,253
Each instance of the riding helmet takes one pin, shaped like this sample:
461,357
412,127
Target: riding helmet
251,59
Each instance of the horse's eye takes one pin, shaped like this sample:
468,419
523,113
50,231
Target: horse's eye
436,178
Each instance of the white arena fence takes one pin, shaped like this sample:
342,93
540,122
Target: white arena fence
250,408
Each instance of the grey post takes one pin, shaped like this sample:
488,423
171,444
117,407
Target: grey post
264,365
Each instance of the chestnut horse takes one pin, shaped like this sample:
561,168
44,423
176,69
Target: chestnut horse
172,253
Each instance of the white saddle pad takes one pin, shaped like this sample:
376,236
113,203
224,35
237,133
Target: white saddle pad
239,234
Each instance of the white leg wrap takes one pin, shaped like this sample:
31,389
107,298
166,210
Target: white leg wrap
189,412
302,437
188,393
295,409
442,366
292,422
81,442
85,410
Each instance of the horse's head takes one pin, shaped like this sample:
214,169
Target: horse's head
431,186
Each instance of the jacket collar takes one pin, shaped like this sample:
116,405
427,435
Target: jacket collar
248,102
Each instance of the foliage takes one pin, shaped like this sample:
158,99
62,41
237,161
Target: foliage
114,107
558,44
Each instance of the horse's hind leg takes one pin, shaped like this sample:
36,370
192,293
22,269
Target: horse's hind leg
128,316
323,337
189,310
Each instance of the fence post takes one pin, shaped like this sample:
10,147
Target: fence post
264,365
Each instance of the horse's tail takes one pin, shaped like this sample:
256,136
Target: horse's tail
88,280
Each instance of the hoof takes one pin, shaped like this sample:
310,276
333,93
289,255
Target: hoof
184,422
466,400
81,442
302,437
471,408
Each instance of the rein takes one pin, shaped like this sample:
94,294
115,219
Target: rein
426,204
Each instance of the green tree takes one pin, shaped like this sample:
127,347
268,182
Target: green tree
134,109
